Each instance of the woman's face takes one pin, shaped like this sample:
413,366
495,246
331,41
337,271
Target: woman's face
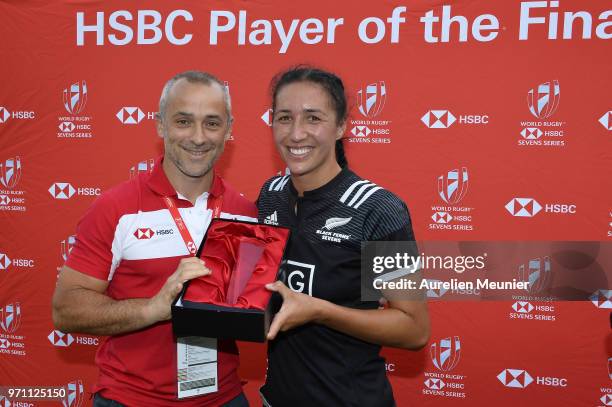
305,130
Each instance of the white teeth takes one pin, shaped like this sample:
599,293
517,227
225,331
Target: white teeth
300,151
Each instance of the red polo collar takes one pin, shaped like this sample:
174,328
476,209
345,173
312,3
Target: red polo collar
159,183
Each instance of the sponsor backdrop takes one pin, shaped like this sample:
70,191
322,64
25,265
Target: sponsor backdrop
490,119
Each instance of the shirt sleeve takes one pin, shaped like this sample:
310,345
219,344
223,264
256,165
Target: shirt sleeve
95,251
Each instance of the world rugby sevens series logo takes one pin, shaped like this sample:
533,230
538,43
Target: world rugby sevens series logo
74,394
10,317
537,273
543,100
453,186
67,245
75,97
445,353
10,172
372,100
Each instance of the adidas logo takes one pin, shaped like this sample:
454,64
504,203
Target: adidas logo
271,219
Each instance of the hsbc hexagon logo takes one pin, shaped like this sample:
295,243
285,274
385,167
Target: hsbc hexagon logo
60,339
361,131
4,114
4,344
531,133
523,307
515,378
371,100
445,354
606,399
4,402
4,199
543,100
435,384
75,97
602,299
62,190
267,117
442,217
66,127
130,115
606,120
144,233
438,119
435,292
10,317
523,207
5,262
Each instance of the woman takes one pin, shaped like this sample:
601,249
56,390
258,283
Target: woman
325,342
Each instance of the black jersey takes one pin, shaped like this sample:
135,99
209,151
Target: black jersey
313,365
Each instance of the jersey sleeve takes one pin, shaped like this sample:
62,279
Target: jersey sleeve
388,220
95,251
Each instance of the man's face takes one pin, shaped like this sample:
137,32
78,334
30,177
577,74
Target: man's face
194,128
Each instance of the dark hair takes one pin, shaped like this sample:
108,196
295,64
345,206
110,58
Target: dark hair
330,82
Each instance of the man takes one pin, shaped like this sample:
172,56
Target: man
134,250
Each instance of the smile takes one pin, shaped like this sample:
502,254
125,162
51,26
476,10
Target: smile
299,151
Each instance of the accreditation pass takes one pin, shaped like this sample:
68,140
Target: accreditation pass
196,364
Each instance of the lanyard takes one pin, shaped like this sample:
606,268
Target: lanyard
214,203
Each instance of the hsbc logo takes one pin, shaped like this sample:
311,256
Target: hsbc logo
144,233
60,339
4,343
606,399
442,217
606,120
523,307
531,133
65,190
602,299
523,207
267,117
361,131
5,262
66,127
62,190
438,119
133,115
515,378
130,115
4,199
75,97
543,100
435,293
435,384
371,100
445,354
300,276
5,114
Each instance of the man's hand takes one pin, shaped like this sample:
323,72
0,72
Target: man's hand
159,306
297,309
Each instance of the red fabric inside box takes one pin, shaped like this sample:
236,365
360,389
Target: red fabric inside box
243,257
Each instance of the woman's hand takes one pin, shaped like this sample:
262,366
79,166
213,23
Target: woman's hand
297,309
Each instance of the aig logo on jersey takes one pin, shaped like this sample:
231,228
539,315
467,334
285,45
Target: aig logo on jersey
11,198
542,102
300,276
452,188
372,127
75,124
445,355
10,321
65,191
